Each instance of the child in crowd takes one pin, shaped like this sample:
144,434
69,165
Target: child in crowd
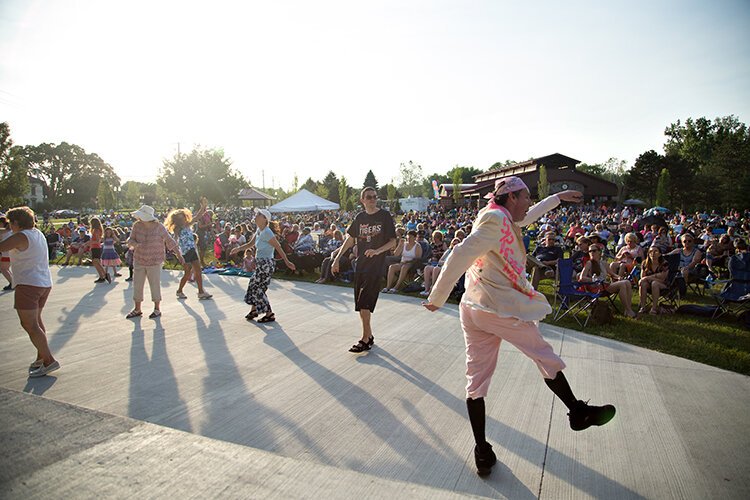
248,264
109,258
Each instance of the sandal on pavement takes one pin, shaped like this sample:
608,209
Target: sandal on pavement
267,318
154,314
251,315
134,314
361,346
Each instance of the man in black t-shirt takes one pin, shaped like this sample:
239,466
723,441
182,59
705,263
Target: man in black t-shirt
374,233
545,260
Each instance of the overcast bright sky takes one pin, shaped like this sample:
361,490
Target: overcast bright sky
312,86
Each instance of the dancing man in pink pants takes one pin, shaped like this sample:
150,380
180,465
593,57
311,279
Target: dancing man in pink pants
500,304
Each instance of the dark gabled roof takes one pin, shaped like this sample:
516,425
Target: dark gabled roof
533,161
250,193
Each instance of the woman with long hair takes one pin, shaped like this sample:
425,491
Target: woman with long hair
178,223
95,245
597,272
654,275
265,243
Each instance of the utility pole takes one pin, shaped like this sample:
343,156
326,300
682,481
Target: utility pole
263,177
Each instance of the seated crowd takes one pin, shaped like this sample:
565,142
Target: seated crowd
614,251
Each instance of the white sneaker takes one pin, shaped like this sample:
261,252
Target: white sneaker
392,290
385,290
181,295
204,296
424,293
44,370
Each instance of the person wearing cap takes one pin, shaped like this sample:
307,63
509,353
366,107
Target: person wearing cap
500,304
265,243
374,234
149,239
29,261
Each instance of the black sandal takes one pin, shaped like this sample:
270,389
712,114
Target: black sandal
360,346
267,318
251,315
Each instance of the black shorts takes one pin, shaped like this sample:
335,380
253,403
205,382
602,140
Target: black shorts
366,290
96,253
190,256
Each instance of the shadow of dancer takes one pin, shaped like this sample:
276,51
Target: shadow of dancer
367,409
39,385
71,320
228,400
153,393
533,452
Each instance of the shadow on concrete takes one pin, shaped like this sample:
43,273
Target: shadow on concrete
39,385
224,377
71,320
501,433
360,403
153,387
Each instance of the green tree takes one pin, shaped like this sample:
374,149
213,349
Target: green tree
343,194
202,172
370,180
322,191
662,190
131,194
616,171
714,161
295,183
596,169
331,182
14,176
467,174
457,186
542,185
393,197
310,185
499,164
105,196
642,179
66,166
411,178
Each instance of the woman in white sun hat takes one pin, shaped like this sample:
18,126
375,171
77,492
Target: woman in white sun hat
149,239
265,243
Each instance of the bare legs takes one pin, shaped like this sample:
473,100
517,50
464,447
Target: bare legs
99,269
431,274
192,269
402,270
364,315
5,269
31,321
625,290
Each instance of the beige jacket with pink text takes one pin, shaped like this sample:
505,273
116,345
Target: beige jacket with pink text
494,260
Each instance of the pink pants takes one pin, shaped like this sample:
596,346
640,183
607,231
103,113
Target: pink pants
483,333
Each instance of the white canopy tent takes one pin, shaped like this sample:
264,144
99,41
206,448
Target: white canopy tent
303,201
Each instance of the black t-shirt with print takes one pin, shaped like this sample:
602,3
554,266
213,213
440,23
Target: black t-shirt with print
371,232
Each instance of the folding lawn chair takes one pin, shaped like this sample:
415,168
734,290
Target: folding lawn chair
569,298
735,296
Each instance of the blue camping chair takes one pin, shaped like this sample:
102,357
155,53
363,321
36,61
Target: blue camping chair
569,299
735,295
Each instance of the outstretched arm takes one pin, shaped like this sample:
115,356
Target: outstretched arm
549,203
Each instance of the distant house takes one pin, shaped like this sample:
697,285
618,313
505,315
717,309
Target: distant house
34,197
561,175
446,193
